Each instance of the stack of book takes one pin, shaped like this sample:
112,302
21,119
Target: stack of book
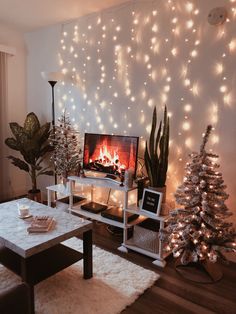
40,224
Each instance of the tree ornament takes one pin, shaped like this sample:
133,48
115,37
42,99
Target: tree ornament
195,179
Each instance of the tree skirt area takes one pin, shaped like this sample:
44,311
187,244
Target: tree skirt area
116,283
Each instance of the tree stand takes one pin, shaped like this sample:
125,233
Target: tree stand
201,272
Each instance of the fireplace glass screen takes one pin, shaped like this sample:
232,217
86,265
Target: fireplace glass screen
110,153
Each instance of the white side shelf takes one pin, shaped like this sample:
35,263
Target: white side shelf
155,249
135,210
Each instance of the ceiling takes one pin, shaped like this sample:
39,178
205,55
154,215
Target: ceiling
29,15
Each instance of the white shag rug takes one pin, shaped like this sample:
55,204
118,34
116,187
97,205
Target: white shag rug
116,283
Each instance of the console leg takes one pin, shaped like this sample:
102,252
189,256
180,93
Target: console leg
123,249
161,263
88,254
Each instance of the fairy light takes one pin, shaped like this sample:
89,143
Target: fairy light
187,82
232,45
194,53
223,88
88,50
155,28
189,6
228,99
186,126
219,68
174,51
189,24
174,20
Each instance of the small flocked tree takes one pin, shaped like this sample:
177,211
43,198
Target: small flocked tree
67,151
198,232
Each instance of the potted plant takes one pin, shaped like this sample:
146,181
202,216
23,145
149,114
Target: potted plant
156,153
31,141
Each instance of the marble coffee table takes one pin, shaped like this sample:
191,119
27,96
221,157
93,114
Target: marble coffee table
36,256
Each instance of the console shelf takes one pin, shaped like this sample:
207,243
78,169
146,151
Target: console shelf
102,182
78,211
105,183
153,248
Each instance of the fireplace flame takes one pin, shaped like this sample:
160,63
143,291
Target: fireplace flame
109,158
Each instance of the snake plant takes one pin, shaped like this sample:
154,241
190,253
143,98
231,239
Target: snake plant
32,142
157,151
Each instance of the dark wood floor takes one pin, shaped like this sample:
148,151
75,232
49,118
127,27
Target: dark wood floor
172,293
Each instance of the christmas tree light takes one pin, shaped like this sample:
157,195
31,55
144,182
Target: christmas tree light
197,231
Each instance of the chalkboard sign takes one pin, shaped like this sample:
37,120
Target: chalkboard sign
151,202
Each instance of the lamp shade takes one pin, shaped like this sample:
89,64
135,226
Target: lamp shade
52,76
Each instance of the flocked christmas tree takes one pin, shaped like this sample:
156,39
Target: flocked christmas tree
198,232
67,152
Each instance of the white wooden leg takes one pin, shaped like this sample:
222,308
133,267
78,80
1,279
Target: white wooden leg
161,263
49,198
123,249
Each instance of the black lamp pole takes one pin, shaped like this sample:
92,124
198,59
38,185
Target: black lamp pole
53,83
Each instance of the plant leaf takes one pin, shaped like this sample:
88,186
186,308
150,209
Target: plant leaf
18,132
148,166
46,149
47,172
31,125
152,134
42,134
19,163
164,150
12,143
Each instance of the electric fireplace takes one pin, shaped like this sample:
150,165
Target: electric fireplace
110,153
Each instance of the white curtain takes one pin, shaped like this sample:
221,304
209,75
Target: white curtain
3,108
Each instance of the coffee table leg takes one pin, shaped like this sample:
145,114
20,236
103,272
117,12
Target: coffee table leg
32,310
88,254
25,278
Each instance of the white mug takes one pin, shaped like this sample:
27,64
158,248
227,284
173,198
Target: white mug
23,210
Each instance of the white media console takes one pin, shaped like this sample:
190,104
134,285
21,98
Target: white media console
153,249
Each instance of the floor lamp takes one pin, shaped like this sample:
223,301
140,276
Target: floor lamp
52,78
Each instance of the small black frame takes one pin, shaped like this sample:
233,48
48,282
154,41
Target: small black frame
151,202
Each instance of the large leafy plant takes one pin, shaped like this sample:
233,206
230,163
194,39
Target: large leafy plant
157,151
31,141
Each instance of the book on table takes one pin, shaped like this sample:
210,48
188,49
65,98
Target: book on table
40,224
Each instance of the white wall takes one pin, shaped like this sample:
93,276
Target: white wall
154,74
14,179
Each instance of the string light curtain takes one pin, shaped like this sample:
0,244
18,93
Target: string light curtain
120,63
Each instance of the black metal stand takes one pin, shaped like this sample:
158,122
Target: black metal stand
53,83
